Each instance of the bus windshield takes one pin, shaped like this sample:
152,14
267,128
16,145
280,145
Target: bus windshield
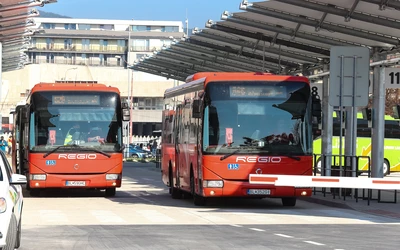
90,120
257,117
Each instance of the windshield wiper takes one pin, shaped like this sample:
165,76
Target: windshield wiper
75,146
230,154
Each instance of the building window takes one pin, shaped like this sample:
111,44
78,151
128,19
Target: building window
49,43
49,26
84,26
70,26
140,44
67,43
139,28
50,58
171,29
85,44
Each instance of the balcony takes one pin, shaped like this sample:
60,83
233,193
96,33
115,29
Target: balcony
79,48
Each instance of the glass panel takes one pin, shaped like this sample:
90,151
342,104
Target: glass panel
90,120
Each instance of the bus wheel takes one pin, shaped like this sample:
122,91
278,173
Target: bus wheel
175,192
110,192
386,167
197,199
289,201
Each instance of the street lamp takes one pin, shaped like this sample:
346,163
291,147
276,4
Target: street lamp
130,99
65,75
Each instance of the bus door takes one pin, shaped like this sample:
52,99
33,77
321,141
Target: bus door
178,143
21,132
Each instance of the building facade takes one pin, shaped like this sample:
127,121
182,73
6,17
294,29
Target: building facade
66,49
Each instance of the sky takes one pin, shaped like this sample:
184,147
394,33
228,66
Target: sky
197,11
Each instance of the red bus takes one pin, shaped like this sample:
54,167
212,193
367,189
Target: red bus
220,127
69,135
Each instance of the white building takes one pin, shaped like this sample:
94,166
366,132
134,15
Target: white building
96,50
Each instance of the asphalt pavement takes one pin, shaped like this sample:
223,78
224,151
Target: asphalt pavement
376,202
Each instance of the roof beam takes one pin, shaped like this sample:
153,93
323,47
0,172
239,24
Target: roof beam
288,31
390,4
170,71
331,9
224,56
258,9
177,67
267,38
153,72
247,54
188,67
208,66
213,58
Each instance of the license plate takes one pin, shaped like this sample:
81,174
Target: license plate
75,183
258,192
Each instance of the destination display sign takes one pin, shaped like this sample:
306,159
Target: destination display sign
76,99
258,91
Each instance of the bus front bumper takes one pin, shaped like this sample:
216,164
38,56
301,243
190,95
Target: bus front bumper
77,181
245,189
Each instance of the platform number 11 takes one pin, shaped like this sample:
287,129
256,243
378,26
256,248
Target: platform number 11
394,76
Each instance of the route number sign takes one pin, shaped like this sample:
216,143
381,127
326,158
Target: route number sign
392,78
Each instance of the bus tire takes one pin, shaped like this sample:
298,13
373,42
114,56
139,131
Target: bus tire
175,192
386,167
197,199
289,201
110,192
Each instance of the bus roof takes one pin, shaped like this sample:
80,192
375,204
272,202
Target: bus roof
256,76
73,87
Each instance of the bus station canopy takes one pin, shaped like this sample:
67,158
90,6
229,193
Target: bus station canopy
281,37
15,22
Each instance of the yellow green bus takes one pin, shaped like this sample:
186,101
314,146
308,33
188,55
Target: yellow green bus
391,155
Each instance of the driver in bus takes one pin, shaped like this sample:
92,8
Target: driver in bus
72,132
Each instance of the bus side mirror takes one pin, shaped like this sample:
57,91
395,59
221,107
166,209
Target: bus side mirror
126,116
196,109
396,112
316,104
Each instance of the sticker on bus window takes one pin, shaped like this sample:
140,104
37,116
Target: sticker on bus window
232,166
228,136
52,135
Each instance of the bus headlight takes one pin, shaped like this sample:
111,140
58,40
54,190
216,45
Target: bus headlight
38,177
213,184
110,177
3,205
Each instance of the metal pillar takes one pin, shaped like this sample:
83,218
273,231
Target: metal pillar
378,117
351,128
327,121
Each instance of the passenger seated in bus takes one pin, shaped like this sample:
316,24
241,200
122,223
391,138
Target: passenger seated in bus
96,134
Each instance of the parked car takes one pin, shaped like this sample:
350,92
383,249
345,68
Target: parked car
11,203
135,151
